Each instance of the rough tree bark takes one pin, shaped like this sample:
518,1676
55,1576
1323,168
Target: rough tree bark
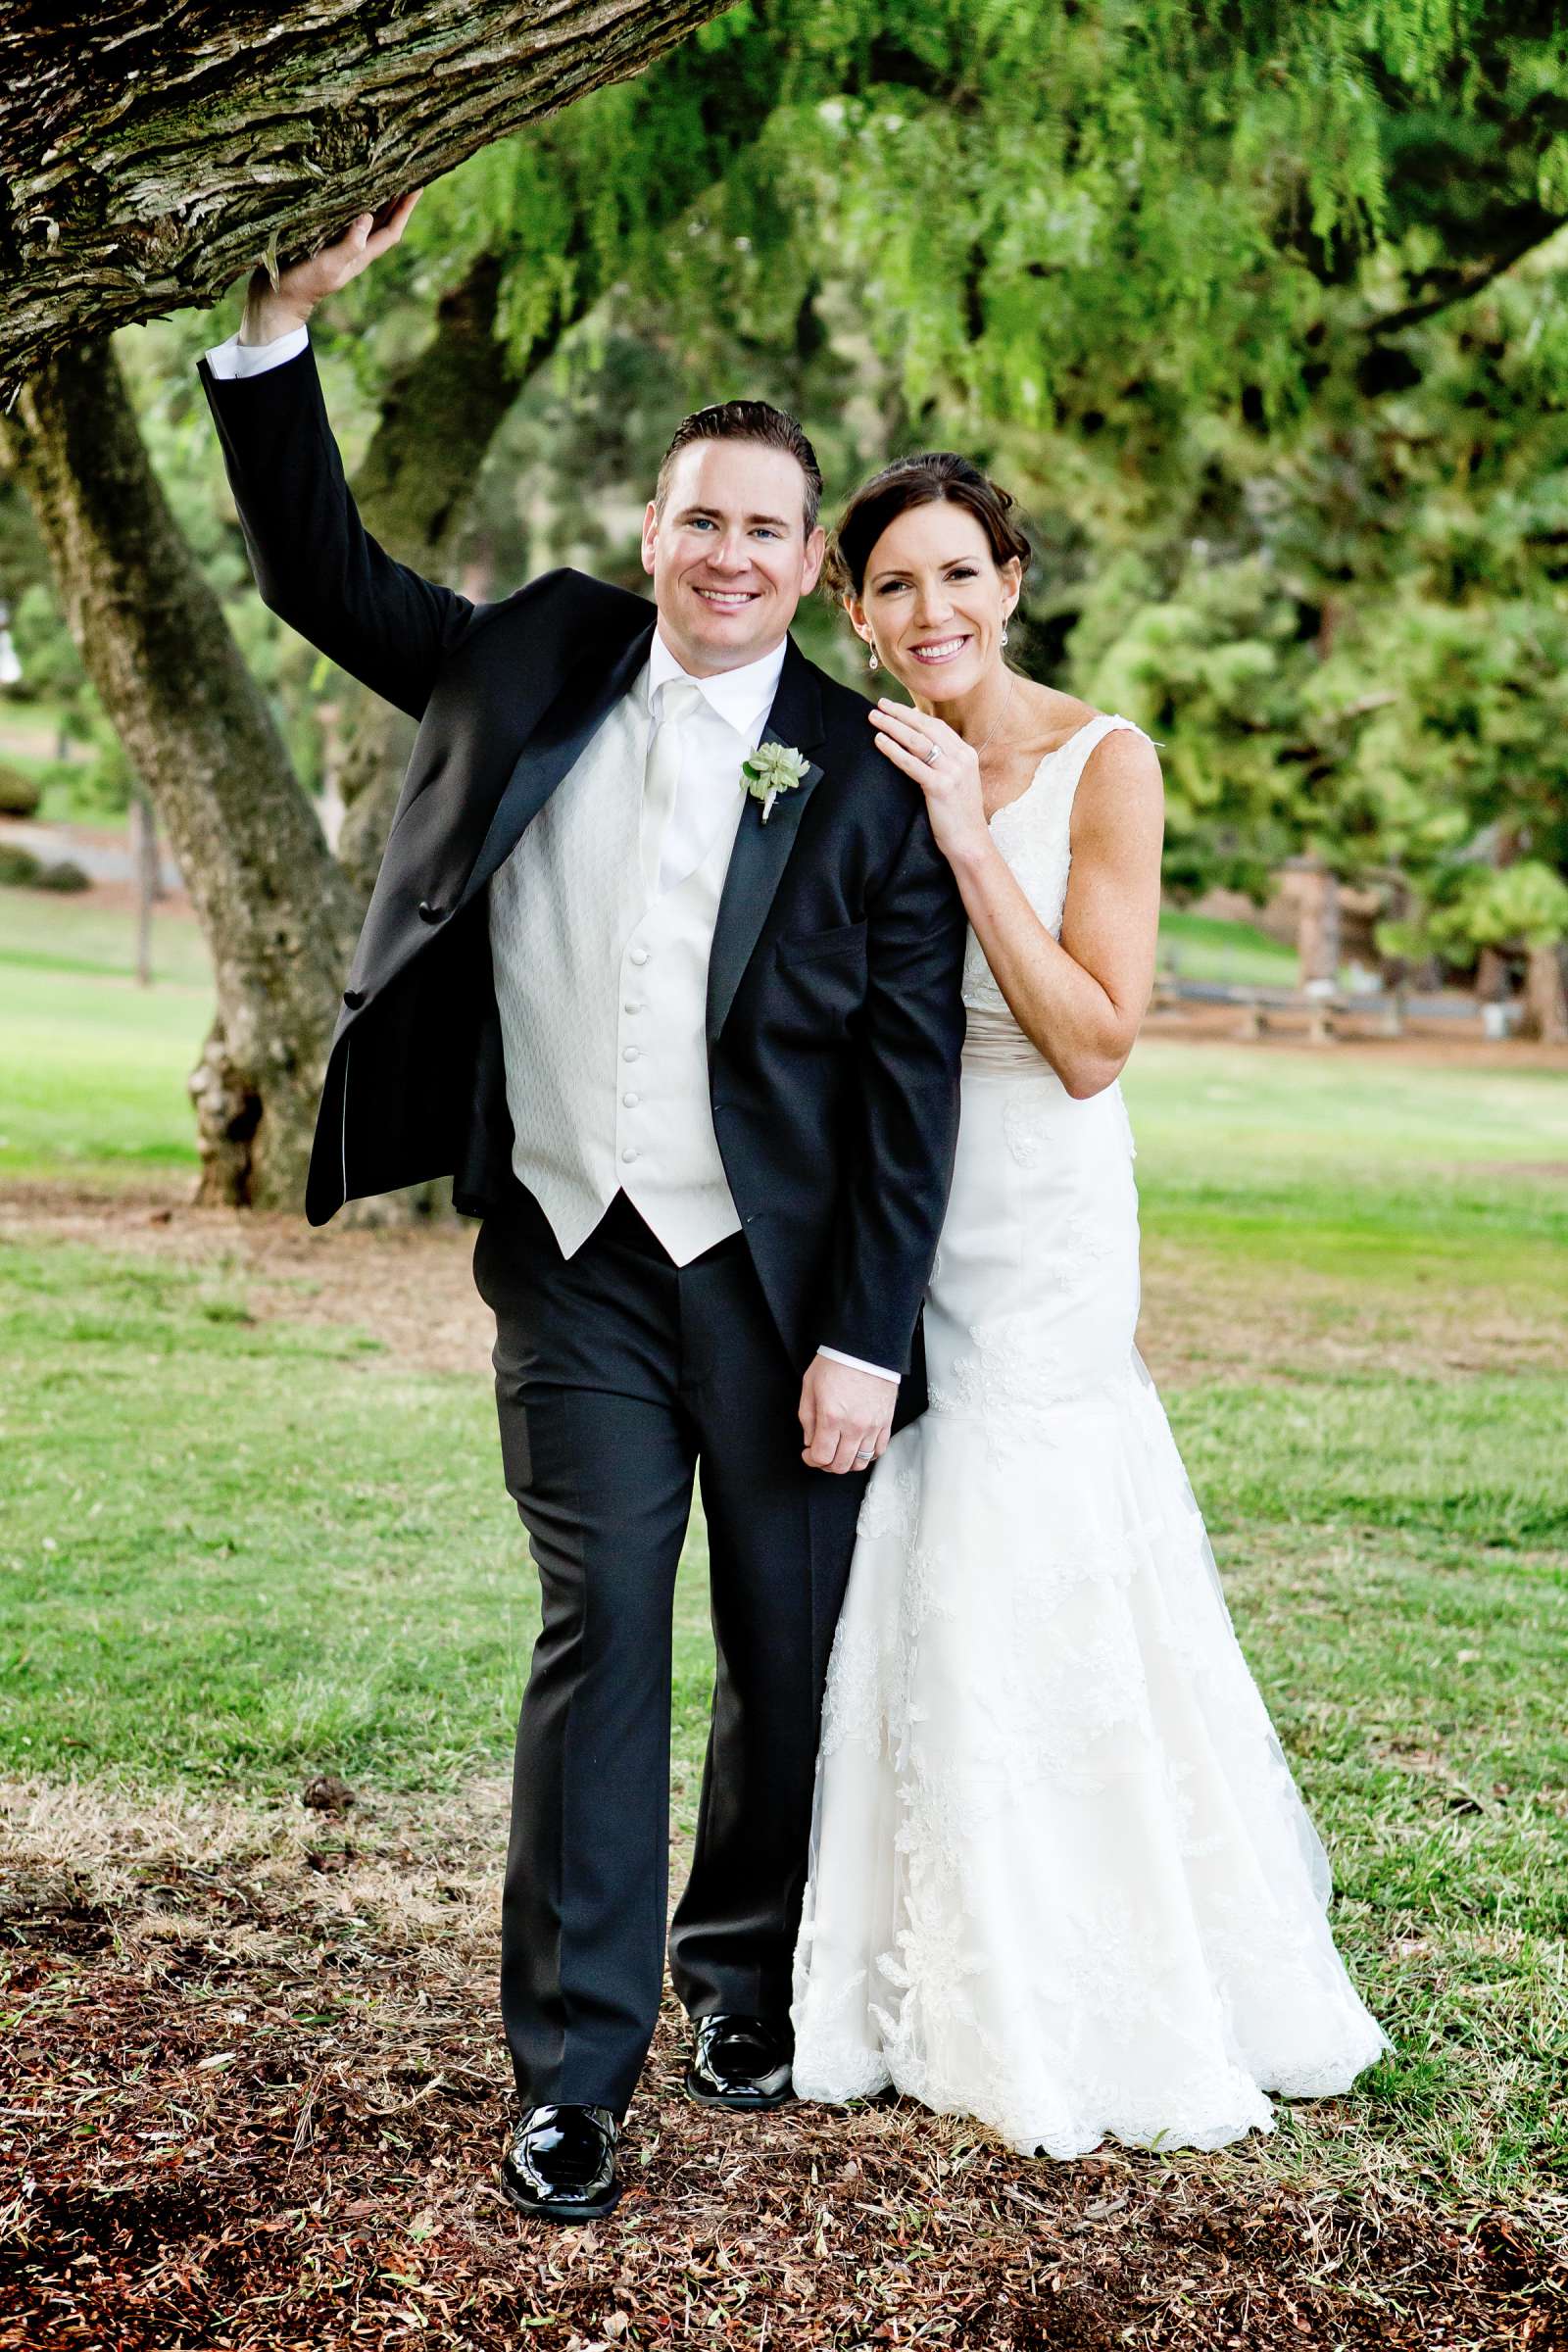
150,149
278,913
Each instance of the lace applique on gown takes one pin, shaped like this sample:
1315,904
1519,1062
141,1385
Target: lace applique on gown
1061,1877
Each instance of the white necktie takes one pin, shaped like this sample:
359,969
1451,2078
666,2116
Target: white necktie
678,701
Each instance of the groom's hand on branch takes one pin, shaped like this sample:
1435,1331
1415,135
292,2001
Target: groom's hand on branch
276,309
845,1415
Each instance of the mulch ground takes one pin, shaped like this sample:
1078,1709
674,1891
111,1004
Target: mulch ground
254,2097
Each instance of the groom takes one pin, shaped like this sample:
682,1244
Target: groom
693,1056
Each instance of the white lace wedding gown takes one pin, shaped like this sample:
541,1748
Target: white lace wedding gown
1060,1878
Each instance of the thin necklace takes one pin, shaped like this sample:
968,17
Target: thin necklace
1001,716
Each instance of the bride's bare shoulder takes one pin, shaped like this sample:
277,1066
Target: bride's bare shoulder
1120,805
1050,718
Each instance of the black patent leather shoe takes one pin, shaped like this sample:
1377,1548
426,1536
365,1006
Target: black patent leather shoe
560,2164
740,2062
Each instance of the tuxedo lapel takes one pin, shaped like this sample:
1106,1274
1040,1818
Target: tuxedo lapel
553,750
762,848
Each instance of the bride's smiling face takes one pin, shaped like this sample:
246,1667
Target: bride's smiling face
934,601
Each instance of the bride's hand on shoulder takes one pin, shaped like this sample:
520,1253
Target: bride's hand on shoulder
946,770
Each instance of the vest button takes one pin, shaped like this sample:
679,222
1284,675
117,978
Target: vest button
631,1100
429,914
639,955
630,1151
354,998
632,1005
628,1054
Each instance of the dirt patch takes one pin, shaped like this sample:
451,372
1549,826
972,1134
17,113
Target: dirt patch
1424,1044
254,2104
410,1287
1205,1319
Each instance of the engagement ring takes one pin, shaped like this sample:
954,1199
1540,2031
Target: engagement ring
932,757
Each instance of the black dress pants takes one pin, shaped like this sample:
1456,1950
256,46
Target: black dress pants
619,1376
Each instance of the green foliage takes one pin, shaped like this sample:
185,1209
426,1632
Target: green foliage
64,875
1519,906
1215,289
1522,906
1354,639
50,665
1215,673
18,794
53,675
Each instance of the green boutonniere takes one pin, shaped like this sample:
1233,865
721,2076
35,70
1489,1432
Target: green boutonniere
773,768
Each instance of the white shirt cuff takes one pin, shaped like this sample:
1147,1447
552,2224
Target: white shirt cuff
235,358
857,1363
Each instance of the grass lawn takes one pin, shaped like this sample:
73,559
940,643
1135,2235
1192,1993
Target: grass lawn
54,931
239,1548
92,1066
1204,947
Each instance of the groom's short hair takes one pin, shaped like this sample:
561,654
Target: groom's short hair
747,420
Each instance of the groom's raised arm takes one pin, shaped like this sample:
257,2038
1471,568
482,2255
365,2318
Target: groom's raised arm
316,564
906,1110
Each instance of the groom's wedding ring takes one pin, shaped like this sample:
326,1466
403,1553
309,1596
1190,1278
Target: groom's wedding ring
866,1456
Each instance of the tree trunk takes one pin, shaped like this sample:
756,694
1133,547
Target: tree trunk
278,914
1545,995
1491,976
1318,934
151,149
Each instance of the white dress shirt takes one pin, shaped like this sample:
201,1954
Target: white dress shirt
233,359
736,703
723,732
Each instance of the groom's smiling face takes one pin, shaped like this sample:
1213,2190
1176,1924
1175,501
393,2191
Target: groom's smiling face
729,554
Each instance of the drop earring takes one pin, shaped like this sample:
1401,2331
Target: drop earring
1004,633
872,662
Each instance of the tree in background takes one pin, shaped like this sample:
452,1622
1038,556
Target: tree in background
1179,291
1360,661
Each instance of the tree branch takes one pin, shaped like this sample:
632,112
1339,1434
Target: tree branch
1457,285
150,150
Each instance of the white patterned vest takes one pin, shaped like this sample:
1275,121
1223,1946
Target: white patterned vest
603,990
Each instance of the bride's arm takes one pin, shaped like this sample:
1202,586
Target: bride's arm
1079,1002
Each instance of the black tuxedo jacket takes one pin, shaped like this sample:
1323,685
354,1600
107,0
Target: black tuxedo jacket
834,1016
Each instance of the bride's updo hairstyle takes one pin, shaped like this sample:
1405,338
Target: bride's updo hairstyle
939,474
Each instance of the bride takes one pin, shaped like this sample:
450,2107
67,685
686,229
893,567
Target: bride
1060,1878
